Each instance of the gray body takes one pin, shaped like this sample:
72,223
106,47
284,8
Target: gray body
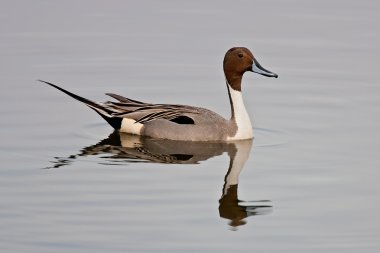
208,126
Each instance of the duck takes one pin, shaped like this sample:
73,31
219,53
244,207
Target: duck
183,122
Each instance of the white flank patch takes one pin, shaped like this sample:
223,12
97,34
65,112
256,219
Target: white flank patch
130,126
243,122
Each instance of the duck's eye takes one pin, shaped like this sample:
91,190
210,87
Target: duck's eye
240,55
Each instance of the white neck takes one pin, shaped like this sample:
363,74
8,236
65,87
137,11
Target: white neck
240,116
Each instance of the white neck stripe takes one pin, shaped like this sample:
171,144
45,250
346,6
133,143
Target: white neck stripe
240,116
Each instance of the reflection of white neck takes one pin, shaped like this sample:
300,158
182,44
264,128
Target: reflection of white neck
243,149
240,116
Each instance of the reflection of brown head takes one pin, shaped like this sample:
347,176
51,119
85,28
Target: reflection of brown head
229,207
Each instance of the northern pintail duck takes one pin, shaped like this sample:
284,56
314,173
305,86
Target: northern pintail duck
183,122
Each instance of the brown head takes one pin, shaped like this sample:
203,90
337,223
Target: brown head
237,61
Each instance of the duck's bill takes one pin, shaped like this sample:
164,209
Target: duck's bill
257,68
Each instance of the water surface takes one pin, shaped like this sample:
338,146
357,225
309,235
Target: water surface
310,180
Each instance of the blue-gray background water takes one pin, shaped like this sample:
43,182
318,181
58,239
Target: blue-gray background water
314,157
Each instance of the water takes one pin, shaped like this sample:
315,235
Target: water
310,182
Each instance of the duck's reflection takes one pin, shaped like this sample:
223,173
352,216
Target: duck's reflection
122,148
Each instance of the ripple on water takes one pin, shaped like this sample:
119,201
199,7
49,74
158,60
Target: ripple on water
266,137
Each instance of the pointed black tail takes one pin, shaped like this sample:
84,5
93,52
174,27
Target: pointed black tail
99,108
